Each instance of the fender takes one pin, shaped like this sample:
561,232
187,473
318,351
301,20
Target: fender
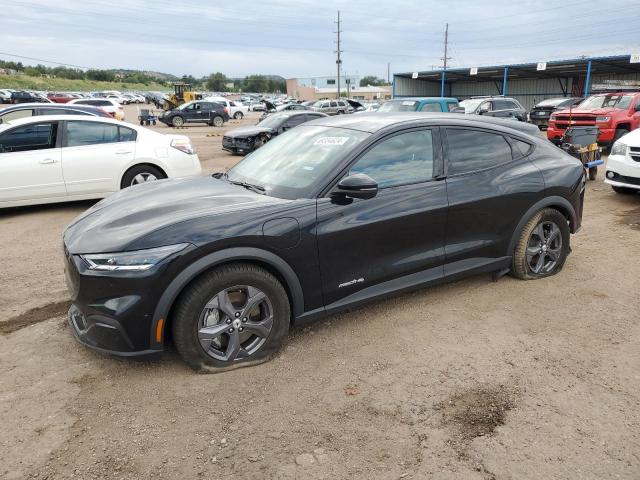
553,201
223,256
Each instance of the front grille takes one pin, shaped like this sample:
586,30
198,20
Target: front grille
227,142
576,118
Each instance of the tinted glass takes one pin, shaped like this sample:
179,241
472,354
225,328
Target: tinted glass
96,103
127,134
501,105
521,148
472,150
27,112
29,137
401,159
334,104
295,120
399,106
431,107
90,133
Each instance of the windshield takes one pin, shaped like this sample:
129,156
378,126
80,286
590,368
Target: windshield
471,104
608,101
185,105
289,165
273,121
554,102
399,106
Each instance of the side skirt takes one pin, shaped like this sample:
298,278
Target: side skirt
408,283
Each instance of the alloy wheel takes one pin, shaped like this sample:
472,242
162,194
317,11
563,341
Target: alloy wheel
235,323
544,248
143,178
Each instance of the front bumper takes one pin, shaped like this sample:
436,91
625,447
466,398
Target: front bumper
114,313
605,135
624,172
237,145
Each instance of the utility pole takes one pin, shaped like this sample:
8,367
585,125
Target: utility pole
338,52
388,73
446,47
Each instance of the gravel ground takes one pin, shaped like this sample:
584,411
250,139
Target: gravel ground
472,379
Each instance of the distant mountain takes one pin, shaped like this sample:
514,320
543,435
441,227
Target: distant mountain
157,75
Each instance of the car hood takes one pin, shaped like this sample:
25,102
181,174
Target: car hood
249,131
586,111
116,222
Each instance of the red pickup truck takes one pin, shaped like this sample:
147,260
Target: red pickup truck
60,97
615,114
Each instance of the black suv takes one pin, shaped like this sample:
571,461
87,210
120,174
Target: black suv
331,214
199,111
539,115
27,97
500,107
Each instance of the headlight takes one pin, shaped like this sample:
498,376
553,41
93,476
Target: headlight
137,260
602,119
619,148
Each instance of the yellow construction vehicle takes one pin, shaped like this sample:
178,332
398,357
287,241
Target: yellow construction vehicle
181,94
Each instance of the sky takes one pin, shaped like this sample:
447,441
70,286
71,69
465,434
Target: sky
295,38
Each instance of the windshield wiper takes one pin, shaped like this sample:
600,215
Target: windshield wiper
249,186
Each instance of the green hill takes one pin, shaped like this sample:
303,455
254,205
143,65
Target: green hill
62,84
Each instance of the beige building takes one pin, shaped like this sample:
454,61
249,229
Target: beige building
367,94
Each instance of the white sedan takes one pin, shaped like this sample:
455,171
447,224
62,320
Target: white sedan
623,164
60,158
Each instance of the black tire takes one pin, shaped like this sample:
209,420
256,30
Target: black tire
593,173
144,170
141,123
191,305
177,121
624,190
217,121
520,267
153,123
238,116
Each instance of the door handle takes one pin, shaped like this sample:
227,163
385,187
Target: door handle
46,161
123,152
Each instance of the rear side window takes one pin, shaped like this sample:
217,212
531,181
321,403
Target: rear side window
37,136
27,112
94,133
520,148
451,106
96,103
334,104
473,150
501,105
401,159
431,107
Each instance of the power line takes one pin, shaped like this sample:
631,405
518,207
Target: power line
41,60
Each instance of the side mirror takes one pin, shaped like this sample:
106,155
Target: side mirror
357,185
484,108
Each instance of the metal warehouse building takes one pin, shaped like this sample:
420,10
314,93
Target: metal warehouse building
529,83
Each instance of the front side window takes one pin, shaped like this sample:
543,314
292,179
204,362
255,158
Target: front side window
36,136
473,150
401,159
90,133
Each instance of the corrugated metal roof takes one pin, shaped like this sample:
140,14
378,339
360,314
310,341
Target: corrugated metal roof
555,68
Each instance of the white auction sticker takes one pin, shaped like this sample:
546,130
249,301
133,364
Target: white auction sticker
331,141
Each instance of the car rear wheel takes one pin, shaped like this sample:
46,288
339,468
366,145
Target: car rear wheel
234,316
217,121
141,174
542,247
238,116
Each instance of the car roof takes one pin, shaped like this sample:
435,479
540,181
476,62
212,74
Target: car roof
375,121
49,118
420,99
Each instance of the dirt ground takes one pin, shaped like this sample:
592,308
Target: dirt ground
469,380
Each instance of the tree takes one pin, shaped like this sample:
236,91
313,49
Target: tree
217,82
256,83
373,81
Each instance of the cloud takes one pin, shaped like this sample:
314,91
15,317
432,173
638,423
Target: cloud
295,38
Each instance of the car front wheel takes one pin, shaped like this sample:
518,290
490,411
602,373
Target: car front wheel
234,316
177,121
542,247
